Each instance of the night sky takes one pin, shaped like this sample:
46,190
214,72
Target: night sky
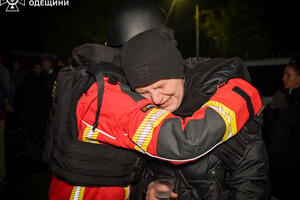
21,31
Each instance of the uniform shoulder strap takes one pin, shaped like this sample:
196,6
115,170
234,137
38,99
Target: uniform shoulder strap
99,71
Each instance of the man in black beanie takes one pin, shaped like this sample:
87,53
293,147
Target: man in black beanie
237,169
154,58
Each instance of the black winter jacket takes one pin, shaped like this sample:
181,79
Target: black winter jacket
237,169
281,131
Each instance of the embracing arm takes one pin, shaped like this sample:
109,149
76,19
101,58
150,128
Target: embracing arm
219,119
140,125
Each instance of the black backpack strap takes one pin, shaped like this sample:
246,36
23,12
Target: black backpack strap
186,190
231,152
99,71
247,98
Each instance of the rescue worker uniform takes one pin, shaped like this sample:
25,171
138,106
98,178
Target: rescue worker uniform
129,121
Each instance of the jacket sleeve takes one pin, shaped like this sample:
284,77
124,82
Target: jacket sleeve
140,125
218,120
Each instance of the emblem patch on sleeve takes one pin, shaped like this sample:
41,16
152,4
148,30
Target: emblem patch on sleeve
147,107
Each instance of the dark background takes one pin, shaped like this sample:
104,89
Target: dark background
251,30
257,29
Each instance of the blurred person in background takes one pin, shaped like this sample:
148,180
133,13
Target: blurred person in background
35,99
281,129
47,65
6,95
61,62
18,72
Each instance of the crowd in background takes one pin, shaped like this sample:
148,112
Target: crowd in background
25,100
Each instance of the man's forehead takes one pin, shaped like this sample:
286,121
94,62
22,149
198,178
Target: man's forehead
154,85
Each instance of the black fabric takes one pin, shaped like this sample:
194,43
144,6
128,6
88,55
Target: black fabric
202,77
135,96
247,99
151,56
281,134
169,135
88,54
233,152
104,164
109,70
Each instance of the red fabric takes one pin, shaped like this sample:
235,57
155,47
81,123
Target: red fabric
233,100
60,190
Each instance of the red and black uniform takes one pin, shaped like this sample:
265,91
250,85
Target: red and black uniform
129,121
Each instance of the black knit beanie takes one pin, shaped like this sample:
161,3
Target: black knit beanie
151,56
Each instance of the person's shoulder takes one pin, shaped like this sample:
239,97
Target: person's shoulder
201,63
193,62
214,71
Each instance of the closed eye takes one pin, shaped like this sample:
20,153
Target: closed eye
160,86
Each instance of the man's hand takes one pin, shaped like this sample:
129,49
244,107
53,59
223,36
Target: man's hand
160,189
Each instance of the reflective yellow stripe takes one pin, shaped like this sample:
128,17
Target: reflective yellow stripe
77,193
85,133
54,88
89,135
143,135
127,192
228,116
94,137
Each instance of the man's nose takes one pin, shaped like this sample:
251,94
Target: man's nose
156,98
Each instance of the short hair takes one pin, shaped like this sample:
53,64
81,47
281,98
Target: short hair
295,63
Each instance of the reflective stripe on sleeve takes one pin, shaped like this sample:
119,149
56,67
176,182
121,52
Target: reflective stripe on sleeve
127,192
228,116
143,135
92,136
89,135
77,193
